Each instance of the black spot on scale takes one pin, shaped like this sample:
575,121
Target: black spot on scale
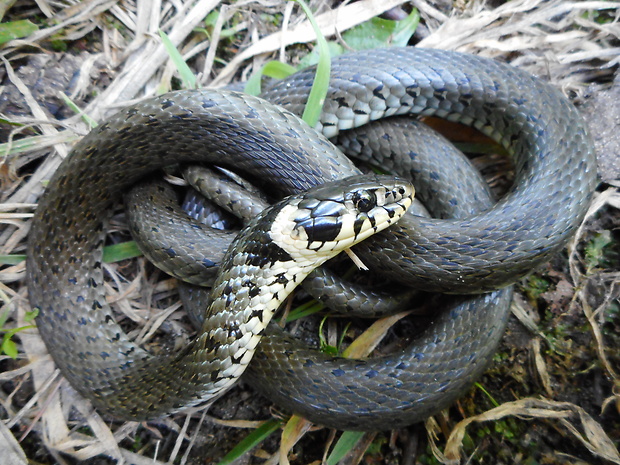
291,133
252,114
440,94
257,314
166,104
152,121
264,254
342,102
280,279
208,103
171,253
377,92
413,90
208,263
128,364
357,226
130,112
127,353
254,291
465,99
321,229
489,107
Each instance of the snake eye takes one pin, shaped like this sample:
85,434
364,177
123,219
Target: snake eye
364,201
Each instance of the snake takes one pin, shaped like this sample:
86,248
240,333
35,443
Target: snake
263,139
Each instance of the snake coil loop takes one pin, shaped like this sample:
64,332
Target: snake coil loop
555,179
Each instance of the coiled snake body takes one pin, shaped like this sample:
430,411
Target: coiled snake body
555,179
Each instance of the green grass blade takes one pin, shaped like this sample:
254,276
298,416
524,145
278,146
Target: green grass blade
122,251
251,440
87,119
111,254
13,259
309,308
405,29
273,69
379,32
314,106
188,78
347,441
16,30
486,393
28,144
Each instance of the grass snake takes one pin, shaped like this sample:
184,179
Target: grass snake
555,177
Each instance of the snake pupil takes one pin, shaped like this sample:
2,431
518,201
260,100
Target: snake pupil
364,201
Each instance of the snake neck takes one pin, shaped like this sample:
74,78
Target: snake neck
261,270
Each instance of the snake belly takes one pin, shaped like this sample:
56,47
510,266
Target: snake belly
555,179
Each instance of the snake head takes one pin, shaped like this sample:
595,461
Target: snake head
334,216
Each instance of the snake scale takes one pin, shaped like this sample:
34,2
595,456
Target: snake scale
555,178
